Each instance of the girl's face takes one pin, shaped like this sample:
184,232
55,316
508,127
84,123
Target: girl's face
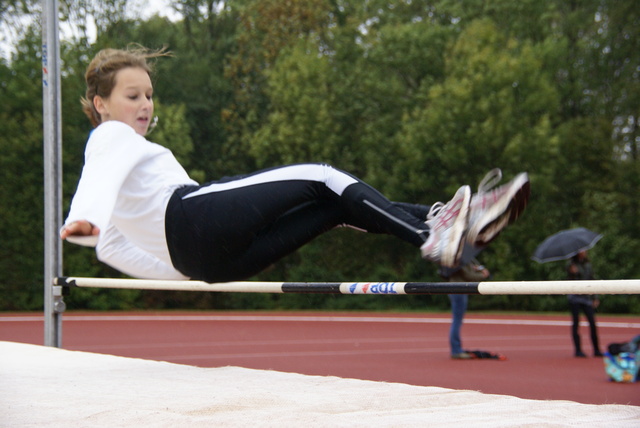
130,100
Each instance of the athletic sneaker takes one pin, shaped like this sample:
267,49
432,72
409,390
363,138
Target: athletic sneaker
462,356
491,210
447,224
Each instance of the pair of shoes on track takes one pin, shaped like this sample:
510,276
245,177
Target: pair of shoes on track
478,355
476,220
462,356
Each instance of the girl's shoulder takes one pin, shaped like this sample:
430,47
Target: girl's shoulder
114,139
112,127
112,136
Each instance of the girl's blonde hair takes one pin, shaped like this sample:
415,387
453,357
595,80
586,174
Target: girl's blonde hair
101,74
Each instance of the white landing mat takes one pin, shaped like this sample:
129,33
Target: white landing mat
49,387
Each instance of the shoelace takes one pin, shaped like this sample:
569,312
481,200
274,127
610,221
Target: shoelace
431,215
492,178
435,210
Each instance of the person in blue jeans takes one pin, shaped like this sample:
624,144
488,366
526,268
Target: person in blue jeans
471,272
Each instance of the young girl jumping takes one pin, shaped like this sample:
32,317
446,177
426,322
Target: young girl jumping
146,217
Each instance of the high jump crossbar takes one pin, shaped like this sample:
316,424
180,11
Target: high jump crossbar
623,286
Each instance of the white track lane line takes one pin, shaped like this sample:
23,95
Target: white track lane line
299,318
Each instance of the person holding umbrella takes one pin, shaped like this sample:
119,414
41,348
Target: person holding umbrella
579,268
572,245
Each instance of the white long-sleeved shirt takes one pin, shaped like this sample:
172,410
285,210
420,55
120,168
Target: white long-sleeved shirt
124,189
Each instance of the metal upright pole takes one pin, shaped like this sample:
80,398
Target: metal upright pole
52,123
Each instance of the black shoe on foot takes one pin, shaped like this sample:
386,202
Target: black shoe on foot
580,354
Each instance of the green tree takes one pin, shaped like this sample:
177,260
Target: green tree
267,27
21,176
493,108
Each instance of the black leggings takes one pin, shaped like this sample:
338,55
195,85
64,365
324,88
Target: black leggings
234,228
590,313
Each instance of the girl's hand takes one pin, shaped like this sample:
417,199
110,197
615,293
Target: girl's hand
79,228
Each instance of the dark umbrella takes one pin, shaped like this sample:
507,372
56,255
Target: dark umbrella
468,253
565,244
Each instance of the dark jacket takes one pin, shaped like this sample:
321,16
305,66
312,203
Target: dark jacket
585,272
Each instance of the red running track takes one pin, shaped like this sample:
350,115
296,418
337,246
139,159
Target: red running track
406,348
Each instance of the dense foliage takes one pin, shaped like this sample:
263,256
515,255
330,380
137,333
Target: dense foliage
416,97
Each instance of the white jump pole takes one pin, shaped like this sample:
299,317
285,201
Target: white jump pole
52,152
624,286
